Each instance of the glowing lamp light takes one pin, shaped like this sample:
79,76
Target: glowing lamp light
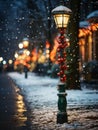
4,62
10,61
47,44
28,53
25,42
47,51
16,55
1,59
20,45
61,16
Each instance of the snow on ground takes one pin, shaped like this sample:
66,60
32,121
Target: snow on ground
41,94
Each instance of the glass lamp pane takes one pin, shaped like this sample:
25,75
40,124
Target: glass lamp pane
65,20
61,20
58,20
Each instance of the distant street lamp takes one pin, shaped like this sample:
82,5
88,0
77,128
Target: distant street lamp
16,55
25,43
4,62
1,59
20,46
61,16
10,61
27,53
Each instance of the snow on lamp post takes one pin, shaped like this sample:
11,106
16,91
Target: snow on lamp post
61,16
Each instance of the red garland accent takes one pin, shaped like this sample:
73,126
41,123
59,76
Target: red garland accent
59,56
64,77
60,46
62,32
61,79
63,67
62,56
61,72
58,74
58,49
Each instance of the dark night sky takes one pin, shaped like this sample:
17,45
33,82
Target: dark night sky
16,18
11,29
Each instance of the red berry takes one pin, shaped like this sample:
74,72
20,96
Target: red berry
58,49
61,72
58,74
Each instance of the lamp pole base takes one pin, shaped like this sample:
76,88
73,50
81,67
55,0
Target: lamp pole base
62,117
62,104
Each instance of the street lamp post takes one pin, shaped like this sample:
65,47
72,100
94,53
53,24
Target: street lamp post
61,16
27,53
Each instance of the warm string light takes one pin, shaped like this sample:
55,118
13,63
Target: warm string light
88,30
62,56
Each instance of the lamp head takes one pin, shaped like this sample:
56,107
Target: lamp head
61,16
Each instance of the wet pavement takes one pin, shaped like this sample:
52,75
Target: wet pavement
13,111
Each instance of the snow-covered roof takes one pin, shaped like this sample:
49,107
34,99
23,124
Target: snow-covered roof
93,15
83,24
61,9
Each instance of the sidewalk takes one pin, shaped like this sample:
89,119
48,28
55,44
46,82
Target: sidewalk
13,113
41,95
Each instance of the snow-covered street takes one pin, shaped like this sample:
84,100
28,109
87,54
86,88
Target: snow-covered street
41,95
